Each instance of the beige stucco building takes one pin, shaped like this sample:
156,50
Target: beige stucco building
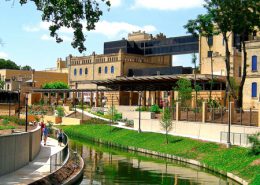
215,46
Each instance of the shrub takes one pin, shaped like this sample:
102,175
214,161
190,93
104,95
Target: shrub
60,111
95,121
14,119
213,103
155,108
255,141
5,122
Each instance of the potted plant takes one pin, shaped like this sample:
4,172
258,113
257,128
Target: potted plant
59,113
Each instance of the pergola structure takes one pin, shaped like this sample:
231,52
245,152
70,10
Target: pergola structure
136,88
161,83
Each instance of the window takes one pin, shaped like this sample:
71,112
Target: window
112,70
80,71
106,70
210,54
254,90
254,63
86,71
99,70
75,72
210,40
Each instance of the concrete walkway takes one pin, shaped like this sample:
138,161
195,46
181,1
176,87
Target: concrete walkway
36,169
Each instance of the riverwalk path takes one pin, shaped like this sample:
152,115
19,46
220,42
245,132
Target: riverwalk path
36,169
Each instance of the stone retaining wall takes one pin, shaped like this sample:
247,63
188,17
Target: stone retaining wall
18,149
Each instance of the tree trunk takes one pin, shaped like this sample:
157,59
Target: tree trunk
241,86
211,65
166,135
227,61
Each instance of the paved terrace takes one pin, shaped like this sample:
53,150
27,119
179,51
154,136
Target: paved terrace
36,169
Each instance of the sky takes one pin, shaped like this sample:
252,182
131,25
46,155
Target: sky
26,39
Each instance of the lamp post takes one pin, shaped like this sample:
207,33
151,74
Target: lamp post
9,104
76,87
139,117
26,111
19,103
229,122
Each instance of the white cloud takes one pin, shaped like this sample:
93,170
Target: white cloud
167,4
115,3
109,29
116,29
46,37
3,55
43,26
65,38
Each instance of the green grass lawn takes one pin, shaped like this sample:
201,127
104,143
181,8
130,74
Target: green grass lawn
6,127
236,160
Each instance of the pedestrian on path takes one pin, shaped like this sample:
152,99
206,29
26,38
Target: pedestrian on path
42,128
45,134
60,137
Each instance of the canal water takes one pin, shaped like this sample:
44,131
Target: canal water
105,165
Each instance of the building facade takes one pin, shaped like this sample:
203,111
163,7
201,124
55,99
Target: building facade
252,84
25,81
215,47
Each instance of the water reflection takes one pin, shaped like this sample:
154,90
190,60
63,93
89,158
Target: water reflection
107,166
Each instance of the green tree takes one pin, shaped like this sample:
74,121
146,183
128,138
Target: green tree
55,85
2,84
8,64
237,17
166,122
184,91
245,20
203,26
26,68
75,14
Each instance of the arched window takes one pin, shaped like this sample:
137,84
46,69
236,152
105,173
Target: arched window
99,70
106,70
112,70
80,71
254,63
75,72
254,90
86,71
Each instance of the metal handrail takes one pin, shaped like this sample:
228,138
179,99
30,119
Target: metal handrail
58,159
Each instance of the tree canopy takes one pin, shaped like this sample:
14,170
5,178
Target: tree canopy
55,85
26,68
240,17
8,64
75,14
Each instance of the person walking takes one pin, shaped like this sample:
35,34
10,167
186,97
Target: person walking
42,128
60,137
45,134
